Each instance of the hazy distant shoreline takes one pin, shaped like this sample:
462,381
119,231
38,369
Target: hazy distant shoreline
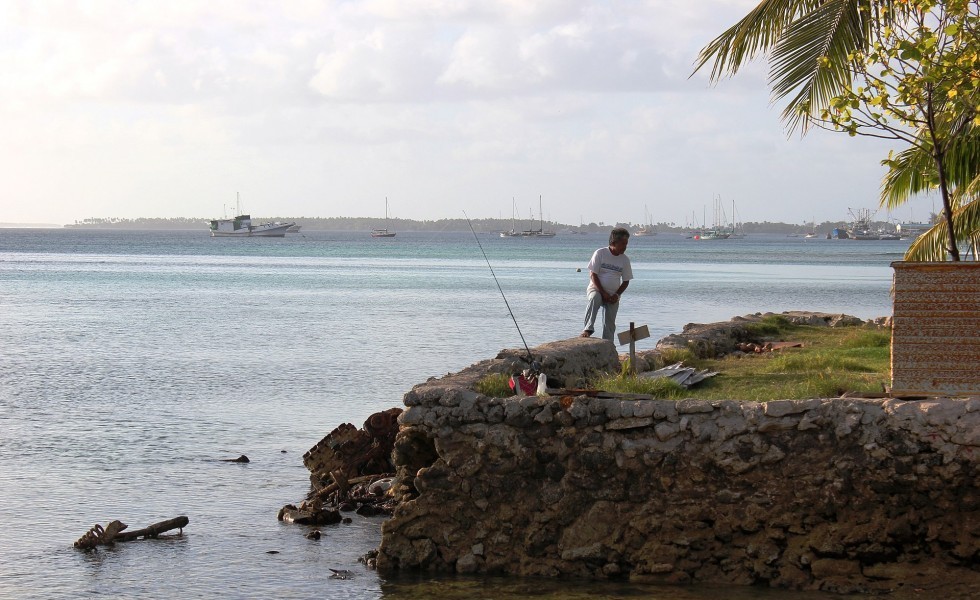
368,223
31,226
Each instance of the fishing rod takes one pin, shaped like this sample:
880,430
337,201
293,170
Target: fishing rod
530,357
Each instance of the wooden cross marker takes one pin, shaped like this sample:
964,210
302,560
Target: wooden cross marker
632,336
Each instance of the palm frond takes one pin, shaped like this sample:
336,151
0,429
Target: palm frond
962,159
933,245
799,32
833,31
754,34
913,170
909,173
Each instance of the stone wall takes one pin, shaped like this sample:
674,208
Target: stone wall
836,494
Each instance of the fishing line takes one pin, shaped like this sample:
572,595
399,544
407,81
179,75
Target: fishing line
530,357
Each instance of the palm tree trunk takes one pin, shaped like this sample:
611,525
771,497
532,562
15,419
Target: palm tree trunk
939,155
954,252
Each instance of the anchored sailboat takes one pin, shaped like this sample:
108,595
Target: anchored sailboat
647,227
513,218
539,232
384,232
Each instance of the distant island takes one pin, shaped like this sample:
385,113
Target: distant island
367,224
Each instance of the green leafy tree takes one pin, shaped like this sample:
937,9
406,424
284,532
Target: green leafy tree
918,83
899,69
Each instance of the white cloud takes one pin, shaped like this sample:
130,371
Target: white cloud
316,106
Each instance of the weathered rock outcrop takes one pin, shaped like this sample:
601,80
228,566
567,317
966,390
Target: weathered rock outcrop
834,494
708,340
569,363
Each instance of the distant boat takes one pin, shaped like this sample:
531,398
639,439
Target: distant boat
241,226
384,233
910,231
539,232
861,229
712,234
738,231
292,228
693,229
811,230
513,220
718,231
647,228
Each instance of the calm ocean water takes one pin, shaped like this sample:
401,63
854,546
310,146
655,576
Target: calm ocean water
131,362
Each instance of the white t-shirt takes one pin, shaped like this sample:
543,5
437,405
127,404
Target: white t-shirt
612,270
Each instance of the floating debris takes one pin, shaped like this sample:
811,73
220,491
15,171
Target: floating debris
341,574
113,532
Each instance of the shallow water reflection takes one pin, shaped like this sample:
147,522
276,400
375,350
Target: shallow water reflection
502,588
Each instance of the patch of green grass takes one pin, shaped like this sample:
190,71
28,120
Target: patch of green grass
832,361
867,339
496,385
782,386
675,355
816,362
770,325
627,384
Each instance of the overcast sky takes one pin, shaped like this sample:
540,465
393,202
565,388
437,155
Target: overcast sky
323,108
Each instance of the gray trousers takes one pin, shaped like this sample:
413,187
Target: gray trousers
608,317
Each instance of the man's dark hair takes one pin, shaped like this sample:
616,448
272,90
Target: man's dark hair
618,234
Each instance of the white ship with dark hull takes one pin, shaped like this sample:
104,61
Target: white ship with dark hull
241,226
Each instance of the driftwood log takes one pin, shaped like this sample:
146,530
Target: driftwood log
114,532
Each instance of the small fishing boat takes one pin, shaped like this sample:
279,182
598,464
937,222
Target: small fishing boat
383,232
241,226
863,228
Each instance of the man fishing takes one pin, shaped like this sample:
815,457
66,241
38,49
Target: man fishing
609,276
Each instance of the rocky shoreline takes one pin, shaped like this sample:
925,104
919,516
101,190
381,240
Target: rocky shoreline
846,495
